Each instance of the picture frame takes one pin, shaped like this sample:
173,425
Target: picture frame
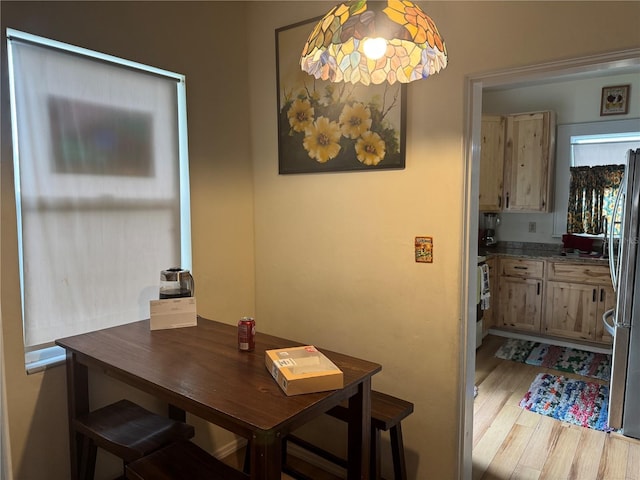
615,100
308,107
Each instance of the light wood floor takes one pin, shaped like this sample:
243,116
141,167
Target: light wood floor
512,443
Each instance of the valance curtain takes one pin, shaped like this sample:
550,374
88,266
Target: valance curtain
592,191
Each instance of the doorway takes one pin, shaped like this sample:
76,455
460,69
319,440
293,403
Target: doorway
607,64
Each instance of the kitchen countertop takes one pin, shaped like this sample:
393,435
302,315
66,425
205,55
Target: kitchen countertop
540,251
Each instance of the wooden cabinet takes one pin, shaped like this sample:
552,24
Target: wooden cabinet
576,297
520,294
491,162
529,161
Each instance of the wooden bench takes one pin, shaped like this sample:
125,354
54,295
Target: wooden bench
387,413
125,430
182,461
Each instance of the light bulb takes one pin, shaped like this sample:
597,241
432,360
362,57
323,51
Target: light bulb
374,48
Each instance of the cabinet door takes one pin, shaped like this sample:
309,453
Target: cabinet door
528,164
606,301
520,303
571,310
491,162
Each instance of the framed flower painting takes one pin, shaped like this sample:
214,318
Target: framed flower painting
330,127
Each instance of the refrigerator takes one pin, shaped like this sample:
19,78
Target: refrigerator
623,321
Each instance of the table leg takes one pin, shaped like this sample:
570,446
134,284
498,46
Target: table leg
77,404
176,413
360,433
266,456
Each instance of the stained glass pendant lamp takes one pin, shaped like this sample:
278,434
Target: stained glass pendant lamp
374,42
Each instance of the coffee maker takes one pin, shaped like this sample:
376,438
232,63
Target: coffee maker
491,222
176,283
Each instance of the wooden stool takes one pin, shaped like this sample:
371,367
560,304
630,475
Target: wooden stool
126,430
387,413
181,461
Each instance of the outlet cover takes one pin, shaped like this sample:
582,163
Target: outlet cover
532,227
424,249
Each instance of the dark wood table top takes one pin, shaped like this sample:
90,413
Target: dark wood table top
200,370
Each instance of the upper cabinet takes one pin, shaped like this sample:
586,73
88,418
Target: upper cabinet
491,162
529,161
517,161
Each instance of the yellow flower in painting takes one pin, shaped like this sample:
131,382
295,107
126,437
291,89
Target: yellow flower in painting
300,115
322,140
370,148
354,120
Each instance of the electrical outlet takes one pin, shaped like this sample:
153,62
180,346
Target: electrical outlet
532,227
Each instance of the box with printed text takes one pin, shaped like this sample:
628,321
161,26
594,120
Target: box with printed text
303,369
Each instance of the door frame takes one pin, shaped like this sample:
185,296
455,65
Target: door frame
582,67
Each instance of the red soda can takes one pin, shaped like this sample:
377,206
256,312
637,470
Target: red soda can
246,334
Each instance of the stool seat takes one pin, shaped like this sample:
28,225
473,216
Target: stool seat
386,410
126,430
181,461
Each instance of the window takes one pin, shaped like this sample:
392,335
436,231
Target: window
564,158
597,167
102,187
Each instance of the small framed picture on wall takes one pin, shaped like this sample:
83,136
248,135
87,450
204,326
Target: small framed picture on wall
615,100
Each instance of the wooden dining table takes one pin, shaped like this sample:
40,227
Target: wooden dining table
200,370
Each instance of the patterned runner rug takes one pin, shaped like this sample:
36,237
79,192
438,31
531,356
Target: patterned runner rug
564,359
573,401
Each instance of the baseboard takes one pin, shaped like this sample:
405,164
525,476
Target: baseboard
292,449
551,341
315,460
225,450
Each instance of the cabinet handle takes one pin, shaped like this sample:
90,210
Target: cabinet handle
517,267
602,295
500,201
538,289
594,294
507,206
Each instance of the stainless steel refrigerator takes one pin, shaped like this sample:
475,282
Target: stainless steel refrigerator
624,320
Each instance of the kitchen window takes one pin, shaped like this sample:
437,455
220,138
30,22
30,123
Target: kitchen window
102,188
588,144
597,167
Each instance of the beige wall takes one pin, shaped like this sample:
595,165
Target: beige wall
333,253
192,38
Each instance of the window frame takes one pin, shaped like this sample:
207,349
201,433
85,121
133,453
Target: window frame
42,357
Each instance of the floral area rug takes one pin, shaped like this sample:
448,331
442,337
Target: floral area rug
573,401
563,359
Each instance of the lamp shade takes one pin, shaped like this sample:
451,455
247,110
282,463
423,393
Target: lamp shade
409,44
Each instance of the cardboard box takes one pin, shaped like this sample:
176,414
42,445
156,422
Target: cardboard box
303,370
173,313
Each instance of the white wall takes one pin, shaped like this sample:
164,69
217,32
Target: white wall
574,101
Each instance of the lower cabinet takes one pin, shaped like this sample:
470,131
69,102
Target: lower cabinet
576,297
571,310
561,299
520,294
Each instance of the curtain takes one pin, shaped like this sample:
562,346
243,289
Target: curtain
592,191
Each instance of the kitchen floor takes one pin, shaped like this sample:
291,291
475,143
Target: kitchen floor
512,443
